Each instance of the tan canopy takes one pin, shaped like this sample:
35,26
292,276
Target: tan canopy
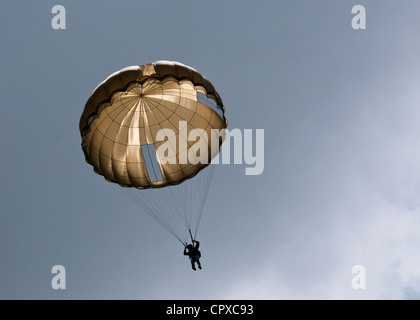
125,112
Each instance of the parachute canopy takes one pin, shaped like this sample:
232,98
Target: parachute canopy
126,111
120,128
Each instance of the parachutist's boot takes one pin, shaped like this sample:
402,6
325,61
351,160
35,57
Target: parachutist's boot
194,268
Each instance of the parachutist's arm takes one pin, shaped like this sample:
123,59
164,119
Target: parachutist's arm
185,251
197,244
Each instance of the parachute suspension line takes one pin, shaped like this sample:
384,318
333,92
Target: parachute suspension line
149,199
188,199
196,190
144,205
159,204
133,195
203,195
187,203
168,212
173,196
178,208
158,210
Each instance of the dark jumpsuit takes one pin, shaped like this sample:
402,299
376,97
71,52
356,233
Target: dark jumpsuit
194,254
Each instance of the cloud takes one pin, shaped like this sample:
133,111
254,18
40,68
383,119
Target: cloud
377,211
411,294
363,208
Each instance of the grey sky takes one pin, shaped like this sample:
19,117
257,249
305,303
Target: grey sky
340,110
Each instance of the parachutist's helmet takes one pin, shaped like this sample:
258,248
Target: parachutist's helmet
189,247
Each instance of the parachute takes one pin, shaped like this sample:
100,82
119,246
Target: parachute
126,127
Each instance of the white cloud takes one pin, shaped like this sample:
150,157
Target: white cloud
377,221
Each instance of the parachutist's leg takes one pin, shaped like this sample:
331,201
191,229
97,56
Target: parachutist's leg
193,264
199,264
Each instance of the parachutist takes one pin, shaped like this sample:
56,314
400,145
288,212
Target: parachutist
193,253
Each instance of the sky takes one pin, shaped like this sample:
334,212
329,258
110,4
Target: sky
341,180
